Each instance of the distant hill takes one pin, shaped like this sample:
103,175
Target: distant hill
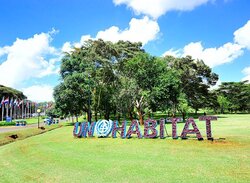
11,92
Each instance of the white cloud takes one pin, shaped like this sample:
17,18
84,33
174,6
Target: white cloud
3,50
214,56
218,83
28,58
67,47
156,8
39,93
139,30
246,72
242,35
211,56
220,55
172,52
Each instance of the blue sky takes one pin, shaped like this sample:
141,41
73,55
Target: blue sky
34,33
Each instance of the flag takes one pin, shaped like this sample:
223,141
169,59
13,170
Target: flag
6,101
11,102
20,103
2,102
15,102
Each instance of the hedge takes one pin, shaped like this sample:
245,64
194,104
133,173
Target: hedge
7,123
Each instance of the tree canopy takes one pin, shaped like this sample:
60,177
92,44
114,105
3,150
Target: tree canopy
102,77
11,92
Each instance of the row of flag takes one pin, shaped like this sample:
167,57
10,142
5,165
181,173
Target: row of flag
15,102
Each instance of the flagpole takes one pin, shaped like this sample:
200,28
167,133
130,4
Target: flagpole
31,109
14,112
10,105
22,110
2,111
25,111
7,111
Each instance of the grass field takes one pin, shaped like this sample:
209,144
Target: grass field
24,133
29,120
56,156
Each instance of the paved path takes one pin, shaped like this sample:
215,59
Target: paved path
16,128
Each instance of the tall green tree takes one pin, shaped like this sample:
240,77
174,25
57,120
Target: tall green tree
90,75
151,83
237,93
196,78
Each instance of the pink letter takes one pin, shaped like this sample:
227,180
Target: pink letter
88,128
77,131
195,129
117,128
174,127
208,120
151,128
131,130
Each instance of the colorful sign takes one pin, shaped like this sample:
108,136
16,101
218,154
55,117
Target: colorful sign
105,127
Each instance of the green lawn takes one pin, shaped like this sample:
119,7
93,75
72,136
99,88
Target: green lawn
56,156
29,120
24,133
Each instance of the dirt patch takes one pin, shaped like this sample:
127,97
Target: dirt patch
14,136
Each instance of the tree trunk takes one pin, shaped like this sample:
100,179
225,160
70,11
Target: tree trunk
140,117
95,116
119,117
183,116
106,115
89,116
130,116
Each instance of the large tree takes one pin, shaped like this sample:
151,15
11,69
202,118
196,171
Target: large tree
237,94
196,79
150,83
90,75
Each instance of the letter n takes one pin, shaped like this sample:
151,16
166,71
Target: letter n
131,130
195,130
147,127
88,128
117,128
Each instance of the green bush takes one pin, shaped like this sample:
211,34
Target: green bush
7,123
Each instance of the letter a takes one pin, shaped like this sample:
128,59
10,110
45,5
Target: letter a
195,130
131,130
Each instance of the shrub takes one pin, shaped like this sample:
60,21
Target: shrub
7,123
